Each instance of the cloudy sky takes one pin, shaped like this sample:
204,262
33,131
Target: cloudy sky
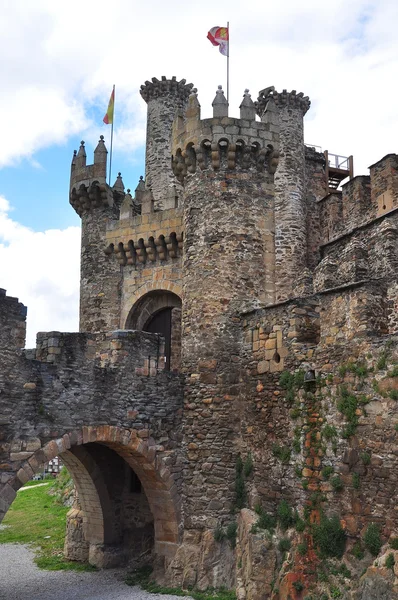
60,58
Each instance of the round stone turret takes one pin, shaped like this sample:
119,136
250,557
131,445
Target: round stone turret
165,98
284,112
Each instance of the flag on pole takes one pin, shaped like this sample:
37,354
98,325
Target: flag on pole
108,118
219,36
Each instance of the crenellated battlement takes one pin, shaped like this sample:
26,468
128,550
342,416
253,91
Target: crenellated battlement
156,88
269,96
222,142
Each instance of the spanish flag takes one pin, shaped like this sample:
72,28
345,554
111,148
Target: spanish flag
108,118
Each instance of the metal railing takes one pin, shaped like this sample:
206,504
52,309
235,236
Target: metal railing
339,162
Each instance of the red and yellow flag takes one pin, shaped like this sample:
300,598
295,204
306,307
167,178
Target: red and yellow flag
219,36
108,118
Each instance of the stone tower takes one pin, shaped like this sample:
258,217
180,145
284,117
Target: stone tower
226,166
237,345
97,204
164,98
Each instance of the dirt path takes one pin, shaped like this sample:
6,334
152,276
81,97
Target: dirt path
20,579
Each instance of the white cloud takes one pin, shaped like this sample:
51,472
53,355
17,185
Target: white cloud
42,270
60,59
63,57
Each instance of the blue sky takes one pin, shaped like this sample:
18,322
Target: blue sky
60,60
38,189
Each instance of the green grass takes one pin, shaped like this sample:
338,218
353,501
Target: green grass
36,518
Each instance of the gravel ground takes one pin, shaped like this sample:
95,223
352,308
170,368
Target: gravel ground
20,579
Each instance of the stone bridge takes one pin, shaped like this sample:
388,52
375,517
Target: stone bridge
105,406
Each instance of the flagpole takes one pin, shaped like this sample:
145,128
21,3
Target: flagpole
110,155
228,65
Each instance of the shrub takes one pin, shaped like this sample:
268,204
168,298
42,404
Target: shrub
330,537
265,520
327,471
302,548
356,481
248,465
295,412
300,525
393,394
393,372
232,530
329,432
283,453
286,380
344,571
382,362
335,592
372,539
347,403
284,545
219,534
394,543
357,550
296,446
285,515
240,490
298,469
298,586
337,483
390,561
365,456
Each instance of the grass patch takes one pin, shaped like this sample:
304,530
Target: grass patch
142,577
37,519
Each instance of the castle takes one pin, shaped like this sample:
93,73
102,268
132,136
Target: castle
238,335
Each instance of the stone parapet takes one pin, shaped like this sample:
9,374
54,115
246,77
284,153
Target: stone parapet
156,88
221,143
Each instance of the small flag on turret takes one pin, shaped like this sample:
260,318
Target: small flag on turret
219,36
108,118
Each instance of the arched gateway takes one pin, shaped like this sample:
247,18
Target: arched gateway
126,492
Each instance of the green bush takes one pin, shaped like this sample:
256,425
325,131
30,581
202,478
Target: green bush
382,362
302,548
357,550
390,561
365,456
265,520
329,536
285,515
394,543
356,481
337,483
248,465
240,488
283,453
300,525
327,471
284,545
298,586
231,533
372,539
329,432
393,372
393,394
219,534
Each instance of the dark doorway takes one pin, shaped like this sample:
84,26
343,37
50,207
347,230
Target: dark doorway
161,323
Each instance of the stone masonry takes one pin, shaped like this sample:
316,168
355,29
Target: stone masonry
237,357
